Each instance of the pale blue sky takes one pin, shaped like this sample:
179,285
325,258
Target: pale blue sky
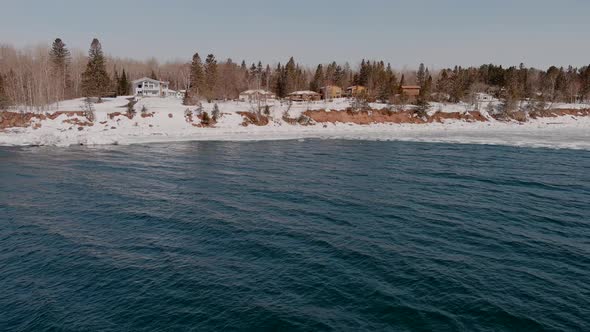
436,32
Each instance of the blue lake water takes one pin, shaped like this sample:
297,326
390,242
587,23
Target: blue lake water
289,235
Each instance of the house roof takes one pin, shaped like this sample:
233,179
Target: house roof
143,79
251,92
306,92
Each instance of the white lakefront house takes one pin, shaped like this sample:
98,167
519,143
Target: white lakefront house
148,87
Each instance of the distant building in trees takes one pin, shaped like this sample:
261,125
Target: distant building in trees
411,92
304,96
253,95
355,90
148,87
176,94
484,97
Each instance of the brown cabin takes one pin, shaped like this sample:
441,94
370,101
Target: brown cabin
304,96
411,91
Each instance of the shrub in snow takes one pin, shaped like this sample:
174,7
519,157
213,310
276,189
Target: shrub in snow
266,110
205,118
490,108
421,109
144,109
88,109
216,113
199,108
131,107
304,120
359,103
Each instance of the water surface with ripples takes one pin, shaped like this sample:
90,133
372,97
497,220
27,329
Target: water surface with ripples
289,235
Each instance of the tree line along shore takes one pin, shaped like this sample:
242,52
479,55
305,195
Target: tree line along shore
34,78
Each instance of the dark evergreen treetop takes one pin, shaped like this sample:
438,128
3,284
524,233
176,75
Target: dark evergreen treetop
59,54
197,76
210,76
95,79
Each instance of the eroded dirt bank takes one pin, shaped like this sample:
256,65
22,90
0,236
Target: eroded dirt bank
365,117
26,119
362,117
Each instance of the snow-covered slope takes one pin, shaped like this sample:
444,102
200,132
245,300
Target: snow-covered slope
164,119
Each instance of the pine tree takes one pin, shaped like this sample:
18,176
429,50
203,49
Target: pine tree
123,85
442,84
388,85
153,75
421,75
457,85
425,91
197,77
339,76
318,79
279,81
290,76
205,118
259,68
115,81
95,79
210,77
60,61
363,78
253,76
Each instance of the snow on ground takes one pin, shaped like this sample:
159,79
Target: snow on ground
168,124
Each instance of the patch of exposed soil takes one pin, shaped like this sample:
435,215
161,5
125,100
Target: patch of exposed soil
253,119
128,115
560,112
209,124
473,116
55,115
18,120
25,119
363,117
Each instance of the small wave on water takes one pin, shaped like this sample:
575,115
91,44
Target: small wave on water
294,235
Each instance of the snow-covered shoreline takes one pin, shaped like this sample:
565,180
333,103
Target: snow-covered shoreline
164,121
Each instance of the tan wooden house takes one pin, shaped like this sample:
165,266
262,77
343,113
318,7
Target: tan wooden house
331,92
